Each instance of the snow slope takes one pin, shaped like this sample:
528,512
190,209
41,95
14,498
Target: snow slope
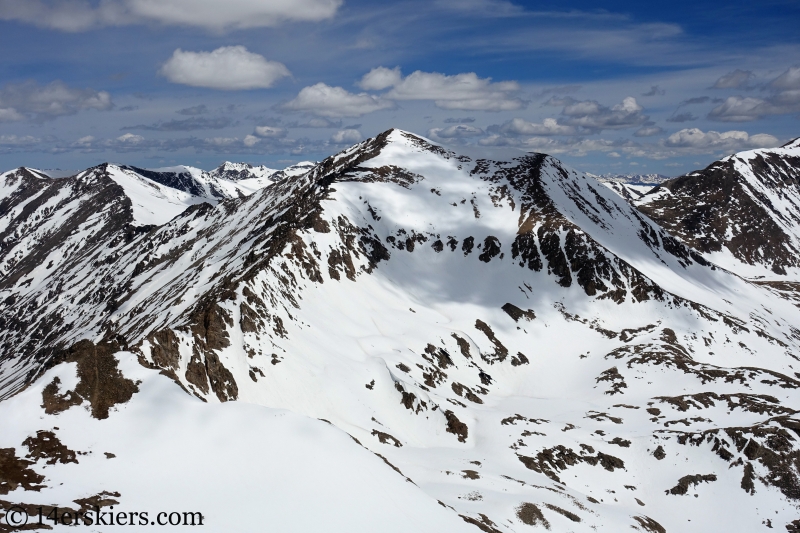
164,450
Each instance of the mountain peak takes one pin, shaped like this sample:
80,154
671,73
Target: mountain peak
795,143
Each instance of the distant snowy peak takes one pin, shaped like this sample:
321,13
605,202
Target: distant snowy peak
631,192
792,144
157,197
295,170
633,179
742,211
241,171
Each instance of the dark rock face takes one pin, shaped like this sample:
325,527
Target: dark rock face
751,208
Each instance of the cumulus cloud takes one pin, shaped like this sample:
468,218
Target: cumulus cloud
548,126
460,91
130,138
9,114
271,132
783,97
787,81
578,147
380,78
690,141
348,136
740,109
728,140
594,117
459,131
334,102
44,102
18,140
79,15
737,79
227,68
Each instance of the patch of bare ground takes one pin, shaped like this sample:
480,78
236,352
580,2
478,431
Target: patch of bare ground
45,445
683,483
530,514
516,313
648,524
484,524
53,402
456,426
563,512
100,381
103,499
773,444
16,472
558,458
385,438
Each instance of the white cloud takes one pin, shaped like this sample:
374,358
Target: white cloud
15,140
269,132
783,98
79,15
592,116
460,131
9,114
43,102
380,78
461,91
739,109
733,80
788,80
227,68
728,140
548,126
130,138
251,140
346,137
334,102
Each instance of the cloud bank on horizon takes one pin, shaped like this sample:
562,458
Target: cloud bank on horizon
195,81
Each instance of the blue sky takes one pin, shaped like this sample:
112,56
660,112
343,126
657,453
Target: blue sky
631,87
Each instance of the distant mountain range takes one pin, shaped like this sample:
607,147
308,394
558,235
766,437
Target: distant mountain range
403,338
632,179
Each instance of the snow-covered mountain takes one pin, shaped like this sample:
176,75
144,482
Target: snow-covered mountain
630,186
743,212
512,346
633,179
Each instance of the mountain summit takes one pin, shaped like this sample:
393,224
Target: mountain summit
742,211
